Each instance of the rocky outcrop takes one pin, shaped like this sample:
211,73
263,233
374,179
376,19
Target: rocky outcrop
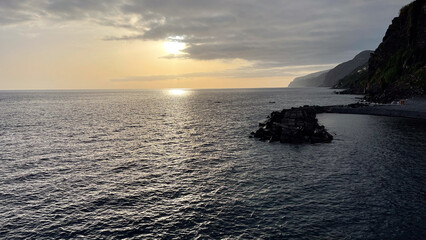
295,125
397,68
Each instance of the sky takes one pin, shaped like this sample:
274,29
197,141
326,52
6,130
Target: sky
150,44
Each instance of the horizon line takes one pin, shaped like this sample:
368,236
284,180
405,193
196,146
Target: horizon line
139,89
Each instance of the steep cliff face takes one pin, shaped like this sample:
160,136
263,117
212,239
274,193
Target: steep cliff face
354,80
344,69
397,68
331,77
311,80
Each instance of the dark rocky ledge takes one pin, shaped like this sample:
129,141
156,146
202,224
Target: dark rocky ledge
295,125
415,108
300,125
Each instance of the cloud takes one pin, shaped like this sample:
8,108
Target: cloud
278,32
14,12
270,33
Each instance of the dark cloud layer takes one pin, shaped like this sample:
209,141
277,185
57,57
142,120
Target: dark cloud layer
269,33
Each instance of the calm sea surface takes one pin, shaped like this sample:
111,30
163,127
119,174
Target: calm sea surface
156,165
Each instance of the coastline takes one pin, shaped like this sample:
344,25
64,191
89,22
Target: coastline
299,124
413,108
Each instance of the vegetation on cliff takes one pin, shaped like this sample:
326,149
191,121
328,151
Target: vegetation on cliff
344,69
331,77
355,80
397,68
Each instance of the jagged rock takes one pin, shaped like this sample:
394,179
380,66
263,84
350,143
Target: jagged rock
295,125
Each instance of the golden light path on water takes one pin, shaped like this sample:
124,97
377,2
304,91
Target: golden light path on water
177,92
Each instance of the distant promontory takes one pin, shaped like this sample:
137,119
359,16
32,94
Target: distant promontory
330,78
395,70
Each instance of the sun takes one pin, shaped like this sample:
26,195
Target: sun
174,47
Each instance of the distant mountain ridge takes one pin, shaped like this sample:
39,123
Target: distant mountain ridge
395,70
311,80
344,69
352,82
329,78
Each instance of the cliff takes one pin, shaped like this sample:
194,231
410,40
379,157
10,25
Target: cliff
331,77
344,69
397,68
353,81
312,80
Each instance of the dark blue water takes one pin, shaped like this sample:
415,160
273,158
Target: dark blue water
154,165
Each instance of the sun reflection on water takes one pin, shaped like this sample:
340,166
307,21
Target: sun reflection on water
177,92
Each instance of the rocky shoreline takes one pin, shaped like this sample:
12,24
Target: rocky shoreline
389,110
300,125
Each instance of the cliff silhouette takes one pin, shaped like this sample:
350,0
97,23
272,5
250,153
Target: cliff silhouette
397,68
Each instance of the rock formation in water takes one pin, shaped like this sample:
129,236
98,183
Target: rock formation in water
295,125
331,77
397,68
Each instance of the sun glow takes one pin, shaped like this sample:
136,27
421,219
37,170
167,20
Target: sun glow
177,92
174,47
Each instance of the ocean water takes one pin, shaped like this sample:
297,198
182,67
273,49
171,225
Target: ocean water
156,165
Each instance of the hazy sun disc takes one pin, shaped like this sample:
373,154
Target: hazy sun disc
177,91
174,47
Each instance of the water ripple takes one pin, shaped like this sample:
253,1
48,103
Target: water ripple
145,165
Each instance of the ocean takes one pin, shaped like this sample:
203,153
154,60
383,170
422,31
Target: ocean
141,164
